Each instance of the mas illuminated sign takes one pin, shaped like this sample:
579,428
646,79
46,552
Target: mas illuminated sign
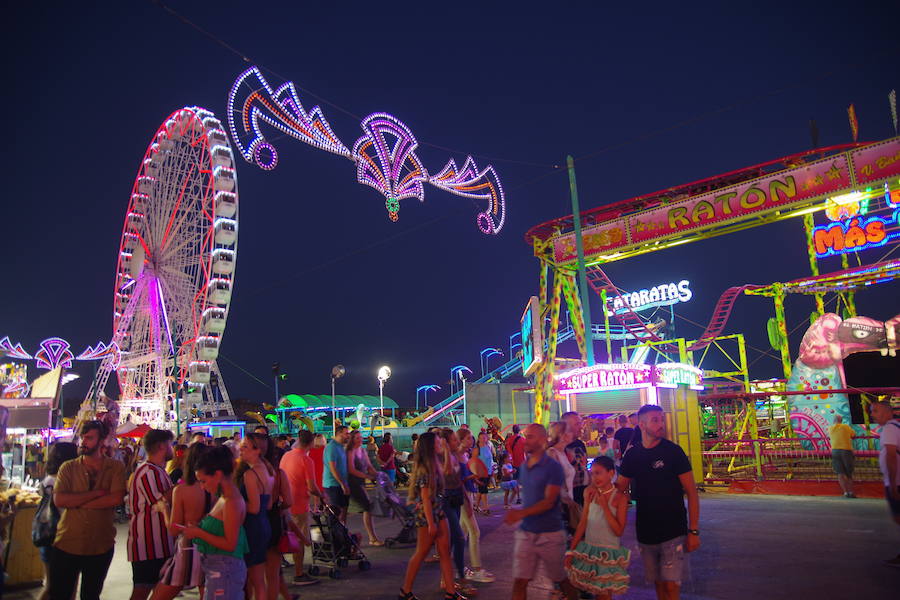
852,235
661,295
625,376
532,337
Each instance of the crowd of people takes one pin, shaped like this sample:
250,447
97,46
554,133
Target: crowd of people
220,514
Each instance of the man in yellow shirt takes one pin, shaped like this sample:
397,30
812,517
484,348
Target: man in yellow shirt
842,454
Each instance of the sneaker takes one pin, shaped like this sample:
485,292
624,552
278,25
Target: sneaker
479,575
518,501
304,579
851,495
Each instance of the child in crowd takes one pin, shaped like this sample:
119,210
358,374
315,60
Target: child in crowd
507,482
596,562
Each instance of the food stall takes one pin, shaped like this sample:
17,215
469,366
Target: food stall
623,388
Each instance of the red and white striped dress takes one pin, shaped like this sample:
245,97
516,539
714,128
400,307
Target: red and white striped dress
148,537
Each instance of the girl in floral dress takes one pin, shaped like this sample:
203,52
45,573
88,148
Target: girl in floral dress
597,563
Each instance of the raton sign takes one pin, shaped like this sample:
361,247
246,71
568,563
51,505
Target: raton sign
603,377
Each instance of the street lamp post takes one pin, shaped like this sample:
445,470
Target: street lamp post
425,389
384,373
337,372
486,354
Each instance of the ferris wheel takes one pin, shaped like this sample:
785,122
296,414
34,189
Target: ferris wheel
175,275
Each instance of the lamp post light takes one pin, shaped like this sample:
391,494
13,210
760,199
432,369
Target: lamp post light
486,354
384,373
454,371
425,389
513,346
337,371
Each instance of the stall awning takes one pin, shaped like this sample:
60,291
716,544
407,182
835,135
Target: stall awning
323,401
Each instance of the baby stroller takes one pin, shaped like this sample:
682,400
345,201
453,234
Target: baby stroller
333,545
388,503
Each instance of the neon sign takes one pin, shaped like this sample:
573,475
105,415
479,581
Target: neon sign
604,377
532,337
626,376
675,374
850,236
661,295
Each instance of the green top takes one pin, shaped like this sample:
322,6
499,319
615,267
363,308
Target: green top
216,527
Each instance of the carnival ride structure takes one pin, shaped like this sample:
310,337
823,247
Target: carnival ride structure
175,276
794,186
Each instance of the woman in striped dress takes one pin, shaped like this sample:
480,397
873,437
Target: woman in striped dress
189,504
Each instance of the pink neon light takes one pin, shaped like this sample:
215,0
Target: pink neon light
54,352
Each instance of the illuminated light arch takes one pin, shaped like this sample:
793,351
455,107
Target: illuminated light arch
385,156
386,160
54,352
13,350
100,352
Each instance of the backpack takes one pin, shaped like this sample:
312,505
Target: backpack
43,527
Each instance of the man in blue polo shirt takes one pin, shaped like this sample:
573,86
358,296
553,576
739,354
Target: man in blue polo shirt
541,537
334,477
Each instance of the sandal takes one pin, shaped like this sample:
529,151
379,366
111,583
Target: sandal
376,543
406,596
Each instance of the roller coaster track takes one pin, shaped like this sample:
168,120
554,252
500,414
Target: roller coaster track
636,326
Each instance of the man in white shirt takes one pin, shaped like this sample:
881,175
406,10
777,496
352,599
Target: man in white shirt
234,444
889,460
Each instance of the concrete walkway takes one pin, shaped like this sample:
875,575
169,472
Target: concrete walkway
767,547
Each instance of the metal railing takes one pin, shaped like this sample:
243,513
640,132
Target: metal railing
779,459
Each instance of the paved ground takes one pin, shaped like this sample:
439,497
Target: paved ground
772,547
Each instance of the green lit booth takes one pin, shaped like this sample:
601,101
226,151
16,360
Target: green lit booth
623,388
319,409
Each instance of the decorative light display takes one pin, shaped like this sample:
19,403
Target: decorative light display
252,101
386,160
532,337
100,352
385,156
54,352
469,182
13,351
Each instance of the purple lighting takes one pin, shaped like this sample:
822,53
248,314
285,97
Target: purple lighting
54,352
100,352
385,155
469,182
252,101
13,351
386,160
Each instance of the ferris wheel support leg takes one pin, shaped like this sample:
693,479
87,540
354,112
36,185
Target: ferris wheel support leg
226,401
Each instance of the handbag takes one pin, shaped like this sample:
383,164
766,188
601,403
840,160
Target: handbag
288,543
46,518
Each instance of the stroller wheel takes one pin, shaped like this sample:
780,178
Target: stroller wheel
334,574
313,570
342,562
364,565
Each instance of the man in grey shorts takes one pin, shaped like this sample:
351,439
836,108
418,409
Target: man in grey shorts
661,475
540,539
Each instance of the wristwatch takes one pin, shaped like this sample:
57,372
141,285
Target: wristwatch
694,531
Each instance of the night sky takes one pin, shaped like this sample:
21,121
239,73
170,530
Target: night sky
657,96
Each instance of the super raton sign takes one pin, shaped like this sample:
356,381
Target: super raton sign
770,195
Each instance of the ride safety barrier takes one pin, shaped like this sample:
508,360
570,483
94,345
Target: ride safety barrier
779,459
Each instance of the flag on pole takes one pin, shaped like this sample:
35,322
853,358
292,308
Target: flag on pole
854,124
892,98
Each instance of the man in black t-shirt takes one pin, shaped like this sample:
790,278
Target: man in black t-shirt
622,437
660,473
